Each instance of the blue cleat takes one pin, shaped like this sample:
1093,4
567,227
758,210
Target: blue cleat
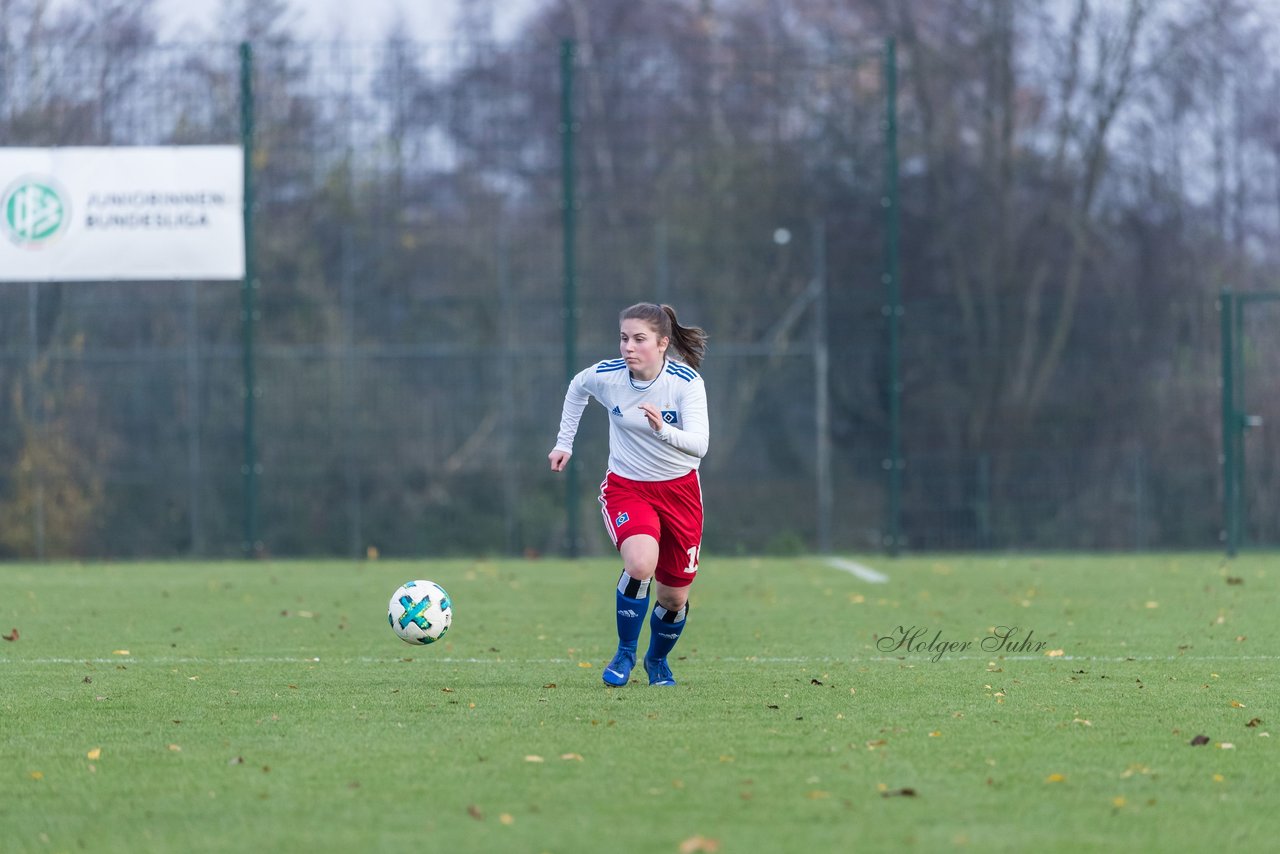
659,672
618,671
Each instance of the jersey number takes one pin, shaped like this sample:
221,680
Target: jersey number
693,560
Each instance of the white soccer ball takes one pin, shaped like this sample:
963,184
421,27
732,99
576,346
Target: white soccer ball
420,612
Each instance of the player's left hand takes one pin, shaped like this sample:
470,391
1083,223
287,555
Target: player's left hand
655,417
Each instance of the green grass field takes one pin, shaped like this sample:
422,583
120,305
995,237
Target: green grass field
268,706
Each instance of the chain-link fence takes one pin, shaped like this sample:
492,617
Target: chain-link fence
417,277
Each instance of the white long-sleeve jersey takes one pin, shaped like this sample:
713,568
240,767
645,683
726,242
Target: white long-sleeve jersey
637,451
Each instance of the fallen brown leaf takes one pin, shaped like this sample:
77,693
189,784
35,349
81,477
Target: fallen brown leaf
1199,740
1254,722
12,636
906,792
474,812
697,843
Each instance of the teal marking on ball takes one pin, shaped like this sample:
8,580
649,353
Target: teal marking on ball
413,613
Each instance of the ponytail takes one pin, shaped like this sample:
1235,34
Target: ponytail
690,341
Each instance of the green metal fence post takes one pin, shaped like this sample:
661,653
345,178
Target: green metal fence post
894,463
249,469
822,387
1230,489
1242,421
1236,419
569,222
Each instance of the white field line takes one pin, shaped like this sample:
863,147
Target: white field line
866,573
891,659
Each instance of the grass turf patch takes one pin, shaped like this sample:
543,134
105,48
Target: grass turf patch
268,705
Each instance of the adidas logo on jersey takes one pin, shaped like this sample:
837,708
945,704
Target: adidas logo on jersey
616,411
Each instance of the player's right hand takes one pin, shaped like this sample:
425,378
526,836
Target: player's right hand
559,459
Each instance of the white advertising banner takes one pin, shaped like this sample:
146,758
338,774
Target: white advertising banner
94,214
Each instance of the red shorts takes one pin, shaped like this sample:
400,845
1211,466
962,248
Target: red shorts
670,511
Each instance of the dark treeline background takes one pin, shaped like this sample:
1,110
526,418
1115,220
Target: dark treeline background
1077,182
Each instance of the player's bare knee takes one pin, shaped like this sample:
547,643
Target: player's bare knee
673,599
640,556
640,572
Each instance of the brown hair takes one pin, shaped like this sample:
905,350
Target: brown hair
689,341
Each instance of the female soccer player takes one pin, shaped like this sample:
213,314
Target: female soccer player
651,497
